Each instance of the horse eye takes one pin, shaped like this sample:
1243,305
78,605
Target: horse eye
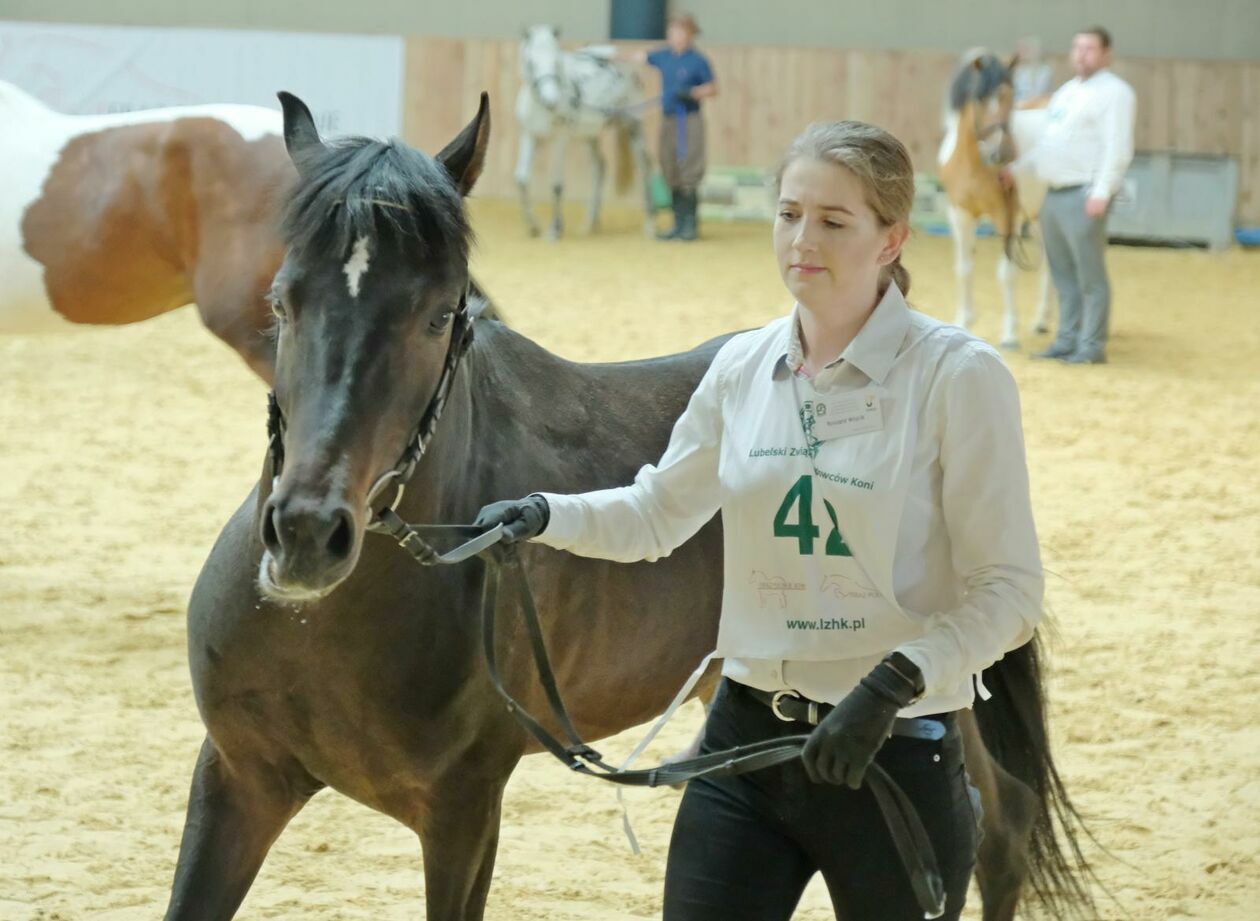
442,321
277,304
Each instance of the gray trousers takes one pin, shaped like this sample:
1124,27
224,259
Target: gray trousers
683,172
1076,247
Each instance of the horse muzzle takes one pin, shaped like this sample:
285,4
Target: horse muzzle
311,546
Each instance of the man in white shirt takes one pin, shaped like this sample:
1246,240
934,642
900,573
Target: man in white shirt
1083,155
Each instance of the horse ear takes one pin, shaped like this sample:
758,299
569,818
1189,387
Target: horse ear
300,134
978,63
1014,61
466,155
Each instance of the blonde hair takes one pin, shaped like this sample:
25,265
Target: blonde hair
878,159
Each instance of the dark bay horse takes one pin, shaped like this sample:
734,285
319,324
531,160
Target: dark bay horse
375,685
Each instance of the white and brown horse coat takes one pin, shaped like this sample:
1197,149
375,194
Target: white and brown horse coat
113,219
983,132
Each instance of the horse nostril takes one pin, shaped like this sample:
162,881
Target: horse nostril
341,540
270,530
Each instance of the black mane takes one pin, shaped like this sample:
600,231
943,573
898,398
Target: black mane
977,83
357,186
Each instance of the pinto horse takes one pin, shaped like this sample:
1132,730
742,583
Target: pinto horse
113,219
378,688
984,134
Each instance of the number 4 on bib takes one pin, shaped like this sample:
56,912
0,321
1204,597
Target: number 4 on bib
804,530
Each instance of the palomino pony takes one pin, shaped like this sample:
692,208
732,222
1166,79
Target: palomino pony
575,95
112,219
375,686
984,134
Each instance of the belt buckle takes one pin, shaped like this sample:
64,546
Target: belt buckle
811,716
774,704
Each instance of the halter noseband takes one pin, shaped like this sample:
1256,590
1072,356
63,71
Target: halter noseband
400,474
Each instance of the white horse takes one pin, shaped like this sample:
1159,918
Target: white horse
983,133
576,94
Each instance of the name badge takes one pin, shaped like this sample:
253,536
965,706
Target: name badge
847,414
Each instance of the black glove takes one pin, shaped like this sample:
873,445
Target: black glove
521,518
844,744
684,96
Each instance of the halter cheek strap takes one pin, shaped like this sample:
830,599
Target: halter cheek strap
397,477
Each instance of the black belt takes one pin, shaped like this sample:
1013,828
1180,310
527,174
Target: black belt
791,707
1067,188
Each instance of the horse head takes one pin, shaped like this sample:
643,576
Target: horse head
370,306
542,65
983,95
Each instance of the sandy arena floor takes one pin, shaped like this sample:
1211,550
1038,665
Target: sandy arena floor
123,451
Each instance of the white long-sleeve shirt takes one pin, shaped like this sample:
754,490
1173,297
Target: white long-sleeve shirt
962,563
1088,139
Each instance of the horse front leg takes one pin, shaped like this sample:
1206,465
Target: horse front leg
236,810
559,148
459,836
524,170
963,229
1041,323
598,169
1006,273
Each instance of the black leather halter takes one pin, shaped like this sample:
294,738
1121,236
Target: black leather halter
400,474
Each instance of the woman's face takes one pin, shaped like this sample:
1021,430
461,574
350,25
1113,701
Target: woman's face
678,37
829,244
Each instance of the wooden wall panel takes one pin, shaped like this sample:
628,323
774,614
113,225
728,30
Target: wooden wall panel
768,94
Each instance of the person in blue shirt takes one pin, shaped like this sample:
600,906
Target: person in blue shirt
686,80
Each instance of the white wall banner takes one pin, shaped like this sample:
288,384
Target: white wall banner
353,83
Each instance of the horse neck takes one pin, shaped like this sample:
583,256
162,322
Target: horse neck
966,144
475,455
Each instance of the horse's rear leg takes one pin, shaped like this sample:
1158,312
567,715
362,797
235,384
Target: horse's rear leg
644,166
524,170
559,148
235,811
1010,810
459,835
598,167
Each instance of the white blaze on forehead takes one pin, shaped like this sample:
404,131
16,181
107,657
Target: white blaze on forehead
356,265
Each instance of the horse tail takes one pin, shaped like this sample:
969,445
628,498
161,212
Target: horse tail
624,157
1013,726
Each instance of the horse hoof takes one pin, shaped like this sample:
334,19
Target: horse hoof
534,232
1041,328
553,235
1011,345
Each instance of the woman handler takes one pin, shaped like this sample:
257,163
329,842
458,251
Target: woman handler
879,553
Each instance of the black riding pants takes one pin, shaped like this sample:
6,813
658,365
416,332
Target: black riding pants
744,847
